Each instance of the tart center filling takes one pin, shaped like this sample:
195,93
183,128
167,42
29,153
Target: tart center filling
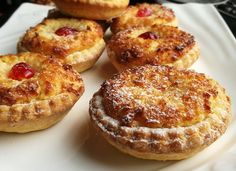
158,98
21,71
66,31
149,35
144,12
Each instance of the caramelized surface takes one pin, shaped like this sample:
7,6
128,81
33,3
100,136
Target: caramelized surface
43,39
131,49
51,78
157,14
161,96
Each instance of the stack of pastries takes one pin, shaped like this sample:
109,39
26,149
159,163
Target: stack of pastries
153,108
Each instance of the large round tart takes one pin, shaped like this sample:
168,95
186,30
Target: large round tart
35,91
160,112
158,45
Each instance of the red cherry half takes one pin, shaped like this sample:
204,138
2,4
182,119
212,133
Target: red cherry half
144,12
21,71
149,35
65,31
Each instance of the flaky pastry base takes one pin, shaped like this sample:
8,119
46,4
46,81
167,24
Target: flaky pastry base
37,115
157,143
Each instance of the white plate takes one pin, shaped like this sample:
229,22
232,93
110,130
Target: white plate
66,146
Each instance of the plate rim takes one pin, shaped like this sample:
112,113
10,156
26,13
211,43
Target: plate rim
230,35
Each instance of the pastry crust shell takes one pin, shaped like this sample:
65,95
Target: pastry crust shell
161,143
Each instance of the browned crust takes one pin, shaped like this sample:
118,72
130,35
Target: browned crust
41,101
159,96
128,19
162,143
172,47
91,9
38,115
42,39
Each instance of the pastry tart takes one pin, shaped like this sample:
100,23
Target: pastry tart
92,9
35,91
159,45
77,42
144,15
43,2
160,112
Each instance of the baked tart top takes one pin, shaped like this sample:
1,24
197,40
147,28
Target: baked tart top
144,15
157,45
31,77
61,36
160,112
162,97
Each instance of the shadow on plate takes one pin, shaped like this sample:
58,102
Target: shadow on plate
100,152
105,69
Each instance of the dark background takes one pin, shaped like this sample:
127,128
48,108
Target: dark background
7,7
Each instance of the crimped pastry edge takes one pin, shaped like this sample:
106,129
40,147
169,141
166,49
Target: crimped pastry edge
157,143
80,60
85,59
37,115
185,62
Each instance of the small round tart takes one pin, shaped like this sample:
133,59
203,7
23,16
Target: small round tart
159,45
160,112
35,91
144,15
92,9
78,42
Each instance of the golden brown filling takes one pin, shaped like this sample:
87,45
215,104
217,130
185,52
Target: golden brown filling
134,45
50,79
146,10
158,96
61,37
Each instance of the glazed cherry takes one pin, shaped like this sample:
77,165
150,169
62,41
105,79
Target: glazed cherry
148,35
65,31
144,12
21,71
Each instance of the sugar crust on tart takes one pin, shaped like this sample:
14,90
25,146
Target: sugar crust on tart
38,102
159,45
92,9
87,41
158,15
160,112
